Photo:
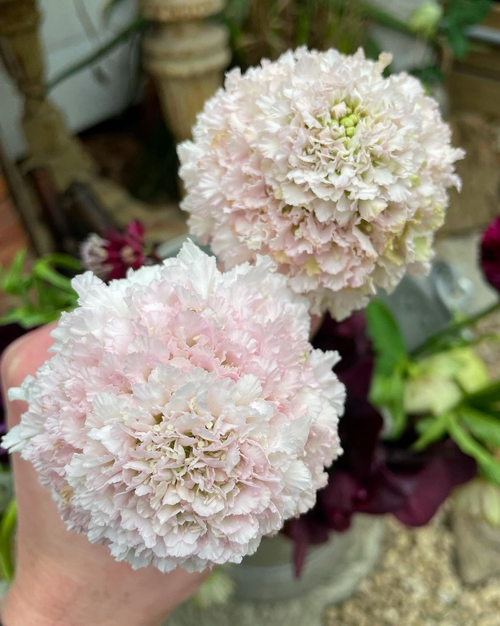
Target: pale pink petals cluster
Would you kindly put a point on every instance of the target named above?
(319, 161)
(184, 414)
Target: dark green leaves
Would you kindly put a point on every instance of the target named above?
(486, 398)
(7, 534)
(391, 360)
(461, 15)
(388, 342)
(489, 465)
(431, 429)
(42, 293)
(483, 426)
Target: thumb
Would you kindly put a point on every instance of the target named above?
(24, 356)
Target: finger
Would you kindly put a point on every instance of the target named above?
(21, 358)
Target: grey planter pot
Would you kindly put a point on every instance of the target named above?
(268, 593)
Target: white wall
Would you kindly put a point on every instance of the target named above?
(85, 98)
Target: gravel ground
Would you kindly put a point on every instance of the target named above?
(415, 584)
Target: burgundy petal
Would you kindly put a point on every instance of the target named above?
(490, 253)
(435, 483)
(387, 492)
(359, 432)
(304, 531)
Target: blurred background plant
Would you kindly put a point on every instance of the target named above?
(430, 419)
(38, 295)
(267, 28)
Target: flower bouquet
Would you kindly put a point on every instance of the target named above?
(185, 414)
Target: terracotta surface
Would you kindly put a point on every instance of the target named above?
(12, 237)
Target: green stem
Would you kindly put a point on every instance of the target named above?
(137, 25)
(303, 26)
(454, 328)
(7, 532)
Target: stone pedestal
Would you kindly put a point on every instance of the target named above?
(186, 55)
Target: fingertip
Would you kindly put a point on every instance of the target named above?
(25, 355)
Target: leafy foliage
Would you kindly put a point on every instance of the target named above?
(471, 419)
(474, 424)
(7, 534)
(43, 292)
(373, 475)
(461, 15)
(391, 360)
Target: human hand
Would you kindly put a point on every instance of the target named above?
(61, 578)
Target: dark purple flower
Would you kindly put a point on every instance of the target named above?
(110, 257)
(446, 467)
(490, 253)
(348, 337)
(373, 476)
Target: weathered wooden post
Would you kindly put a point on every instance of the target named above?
(50, 142)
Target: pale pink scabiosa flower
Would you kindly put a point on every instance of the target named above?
(184, 414)
(317, 160)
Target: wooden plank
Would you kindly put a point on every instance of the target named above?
(485, 62)
(493, 19)
(469, 92)
(478, 201)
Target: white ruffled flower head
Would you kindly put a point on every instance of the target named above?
(319, 161)
(184, 414)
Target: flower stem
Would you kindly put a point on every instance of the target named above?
(453, 329)
(303, 27)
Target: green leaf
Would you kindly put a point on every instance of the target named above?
(391, 359)
(12, 280)
(466, 13)
(435, 429)
(461, 15)
(237, 11)
(7, 533)
(486, 396)
(424, 423)
(387, 392)
(428, 75)
(388, 342)
(372, 49)
(483, 426)
(42, 270)
(459, 43)
(29, 317)
(486, 461)
(44, 292)
(65, 261)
